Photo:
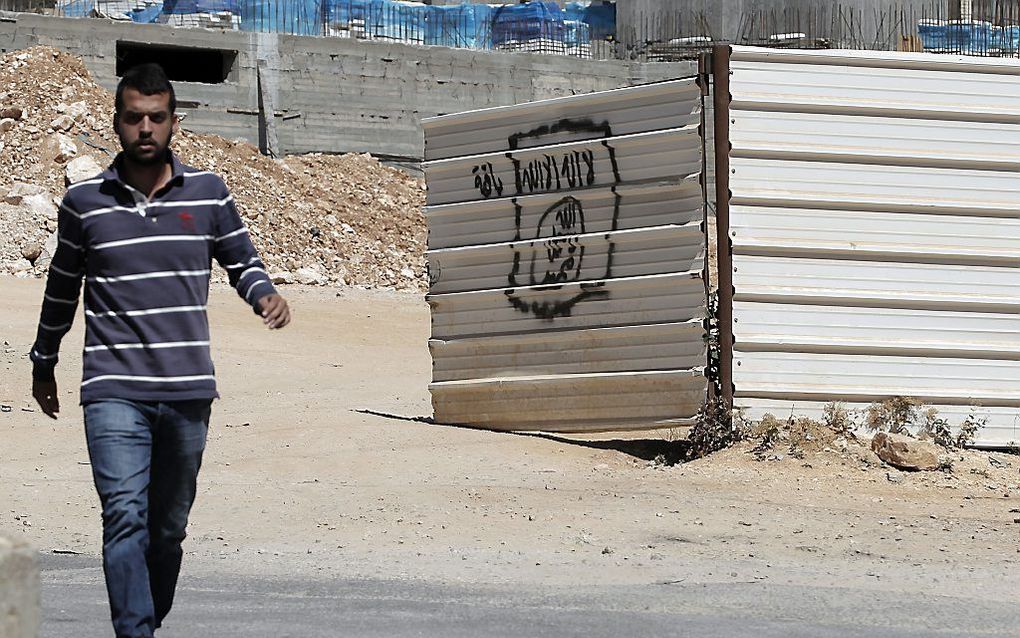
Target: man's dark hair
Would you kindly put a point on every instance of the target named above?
(147, 79)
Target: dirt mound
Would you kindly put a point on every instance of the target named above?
(316, 219)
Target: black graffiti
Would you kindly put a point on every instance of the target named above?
(563, 253)
(556, 282)
(550, 310)
(486, 180)
(584, 125)
(434, 272)
(574, 169)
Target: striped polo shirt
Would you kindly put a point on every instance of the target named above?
(146, 264)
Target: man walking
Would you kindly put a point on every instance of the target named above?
(142, 235)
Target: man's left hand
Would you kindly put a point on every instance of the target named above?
(275, 311)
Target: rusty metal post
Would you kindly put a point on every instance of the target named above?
(721, 104)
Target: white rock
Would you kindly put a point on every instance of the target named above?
(309, 276)
(62, 123)
(20, 190)
(48, 250)
(67, 147)
(407, 272)
(81, 168)
(78, 110)
(40, 205)
(282, 278)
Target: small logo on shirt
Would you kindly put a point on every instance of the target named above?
(187, 221)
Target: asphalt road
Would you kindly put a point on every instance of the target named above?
(229, 606)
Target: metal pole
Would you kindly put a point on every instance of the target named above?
(721, 104)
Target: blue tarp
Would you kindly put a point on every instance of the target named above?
(180, 6)
(975, 38)
(405, 21)
(531, 21)
(397, 20)
(147, 15)
(297, 17)
(1009, 38)
(460, 25)
(600, 18)
(576, 33)
(217, 6)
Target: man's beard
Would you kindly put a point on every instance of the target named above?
(132, 154)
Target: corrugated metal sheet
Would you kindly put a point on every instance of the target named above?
(875, 228)
(566, 261)
(560, 168)
(652, 107)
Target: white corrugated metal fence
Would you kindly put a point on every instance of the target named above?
(875, 227)
(566, 260)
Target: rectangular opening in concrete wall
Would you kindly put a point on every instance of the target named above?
(181, 64)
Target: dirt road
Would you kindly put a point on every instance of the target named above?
(318, 465)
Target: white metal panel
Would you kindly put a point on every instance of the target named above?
(565, 167)
(902, 92)
(573, 403)
(566, 262)
(856, 138)
(879, 60)
(666, 346)
(875, 221)
(615, 302)
(869, 330)
(620, 207)
(808, 375)
(856, 234)
(877, 283)
(648, 107)
(898, 188)
(552, 260)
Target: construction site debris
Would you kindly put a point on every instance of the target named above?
(316, 219)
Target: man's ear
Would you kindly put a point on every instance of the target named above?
(177, 123)
(116, 123)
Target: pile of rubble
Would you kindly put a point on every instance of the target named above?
(316, 219)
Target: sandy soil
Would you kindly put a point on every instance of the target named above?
(319, 465)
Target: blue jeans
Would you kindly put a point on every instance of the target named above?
(145, 460)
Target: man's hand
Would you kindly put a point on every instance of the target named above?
(275, 311)
(45, 394)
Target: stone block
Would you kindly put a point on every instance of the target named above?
(19, 590)
(904, 452)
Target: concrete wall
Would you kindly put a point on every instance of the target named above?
(19, 590)
(335, 94)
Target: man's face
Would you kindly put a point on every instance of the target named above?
(145, 126)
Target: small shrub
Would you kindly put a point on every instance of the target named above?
(839, 419)
(767, 432)
(969, 429)
(899, 415)
(718, 427)
(895, 415)
(937, 428)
